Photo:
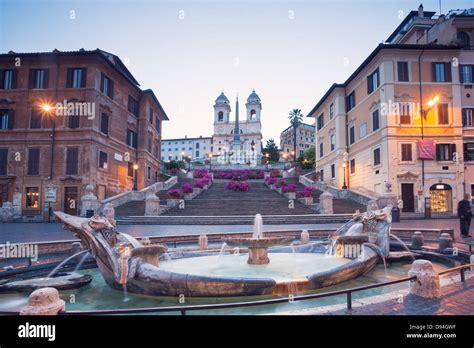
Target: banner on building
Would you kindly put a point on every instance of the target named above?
(426, 149)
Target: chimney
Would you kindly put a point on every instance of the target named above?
(420, 11)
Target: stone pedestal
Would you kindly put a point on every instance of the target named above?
(43, 301)
(6, 212)
(326, 203)
(305, 237)
(152, 205)
(203, 242)
(417, 240)
(445, 241)
(89, 201)
(427, 283)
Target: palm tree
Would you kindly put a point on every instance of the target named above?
(296, 118)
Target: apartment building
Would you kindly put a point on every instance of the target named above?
(404, 117)
(177, 149)
(304, 139)
(69, 119)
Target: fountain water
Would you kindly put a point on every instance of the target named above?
(258, 227)
(53, 272)
(404, 246)
(78, 266)
(221, 252)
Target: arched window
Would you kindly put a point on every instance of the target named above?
(220, 116)
(464, 39)
(253, 114)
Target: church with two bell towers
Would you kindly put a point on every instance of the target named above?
(237, 140)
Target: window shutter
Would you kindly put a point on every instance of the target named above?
(447, 70)
(102, 83)
(111, 89)
(69, 78)
(14, 78)
(369, 84)
(31, 78)
(433, 69)
(46, 78)
(11, 118)
(461, 73)
(452, 150)
(84, 78)
(438, 152)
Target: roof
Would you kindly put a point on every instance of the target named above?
(184, 139)
(301, 124)
(371, 56)
(155, 99)
(406, 20)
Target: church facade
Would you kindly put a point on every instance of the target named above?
(237, 139)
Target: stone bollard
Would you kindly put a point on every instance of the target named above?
(152, 205)
(445, 241)
(203, 242)
(89, 201)
(43, 301)
(305, 237)
(326, 203)
(427, 282)
(417, 240)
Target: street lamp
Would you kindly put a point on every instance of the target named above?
(210, 160)
(344, 186)
(293, 154)
(135, 177)
(189, 158)
(48, 110)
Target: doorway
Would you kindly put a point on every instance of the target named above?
(71, 196)
(408, 198)
(441, 198)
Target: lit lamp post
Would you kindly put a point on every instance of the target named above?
(210, 160)
(49, 110)
(344, 186)
(424, 113)
(189, 158)
(135, 177)
(293, 154)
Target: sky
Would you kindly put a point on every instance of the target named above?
(188, 52)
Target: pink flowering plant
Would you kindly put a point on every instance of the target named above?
(271, 181)
(200, 173)
(289, 188)
(187, 188)
(175, 194)
(306, 193)
(236, 186)
(281, 183)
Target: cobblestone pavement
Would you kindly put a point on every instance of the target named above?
(41, 232)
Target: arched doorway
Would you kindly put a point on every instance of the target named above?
(441, 198)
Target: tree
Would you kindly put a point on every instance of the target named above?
(296, 118)
(307, 158)
(272, 149)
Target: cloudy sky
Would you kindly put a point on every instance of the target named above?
(290, 52)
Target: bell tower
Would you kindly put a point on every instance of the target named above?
(221, 109)
(254, 107)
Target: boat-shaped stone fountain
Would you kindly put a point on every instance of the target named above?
(124, 262)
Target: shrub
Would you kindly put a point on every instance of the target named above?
(238, 186)
(187, 188)
(244, 186)
(175, 194)
(199, 183)
(280, 183)
(200, 173)
(307, 192)
(275, 173)
(271, 181)
(289, 188)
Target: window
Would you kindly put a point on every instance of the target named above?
(465, 73)
(150, 143)
(375, 120)
(157, 124)
(35, 121)
(352, 135)
(350, 101)
(3, 161)
(333, 171)
(148, 173)
(197, 145)
(445, 152)
(72, 160)
(107, 86)
(321, 150)
(104, 123)
(443, 114)
(74, 121)
(76, 78)
(132, 106)
(406, 152)
(197, 154)
(331, 111)
(38, 79)
(320, 121)
(132, 138)
(405, 113)
(150, 115)
(332, 142)
(6, 119)
(8, 79)
(377, 159)
(468, 117)
(373, 81)
(352, 165)
(469, 152)
(321, 175)
(103, 157)
(402, 70)
(363, 130)
(442, 72)
(33, 161)
(220, 116)
(130, 169)
(464, 39)
(32, 198)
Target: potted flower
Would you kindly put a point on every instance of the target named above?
(174, 196)
(306, 196)
(290, 191)
(198, 186)
(244, 186)
(187, 191)
(280, 184)
(270, 181)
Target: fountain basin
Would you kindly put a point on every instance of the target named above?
(67, 282)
